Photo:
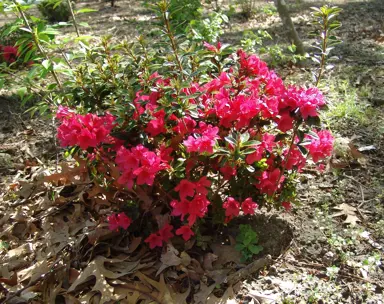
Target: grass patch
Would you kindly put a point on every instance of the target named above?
(347, 104)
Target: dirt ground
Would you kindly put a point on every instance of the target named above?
(317, 256)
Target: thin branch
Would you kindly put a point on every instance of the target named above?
(73, 17)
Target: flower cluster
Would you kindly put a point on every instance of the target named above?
(138, 164)
(232, 207)
(117, 221)
(84, 131)
(239, 135)
(197, 206)
(9, 53)
(320, 147)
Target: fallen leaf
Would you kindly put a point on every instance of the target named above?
(97, 269)
(225, 254)
(367, 148)
(348, 211)
(169, 258)
(164, 293)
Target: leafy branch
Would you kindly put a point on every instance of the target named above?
(326, 25)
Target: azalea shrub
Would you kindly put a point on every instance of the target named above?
(203, 148)
(179, 135)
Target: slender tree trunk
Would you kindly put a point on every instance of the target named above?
(282, 8)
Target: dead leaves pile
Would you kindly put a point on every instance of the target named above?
(55, 247)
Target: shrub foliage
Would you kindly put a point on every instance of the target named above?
(182, 133)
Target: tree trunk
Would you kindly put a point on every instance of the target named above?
(283, 11)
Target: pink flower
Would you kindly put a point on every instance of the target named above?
(320, 147)
(232, 208)
(212, 48)
(251, 65)
(267, 144)
(180, 208)
(287, 206)
(249, 206)
(197, 208)
(307, 100)
(296, 159)
(113, 224)
(185, 232)
(228, 171)
(119, 220)
(157, 126)
(185, 125)
(185, 188)
(269, 181)
(202, 184)
(85, 131)
(10, 53)
(205, 142)
(166, 232)
(154, 240)
(123, 220)
(285, 122)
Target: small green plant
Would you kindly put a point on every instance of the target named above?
(247, 242)
(345, 104)
(276, 54)
(247, 7)
(55, 10)
(268, 9)
(208, 29)
(324, 20)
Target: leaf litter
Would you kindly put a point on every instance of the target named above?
(61, 247)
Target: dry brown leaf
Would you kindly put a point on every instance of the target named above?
(209, 258)
(225, 253)
(169, 258)
(33, 272)
(348, 211)
(185, 259)
(227, 298)
(164, 295)
(97, 269)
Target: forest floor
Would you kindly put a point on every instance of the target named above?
(329, 249)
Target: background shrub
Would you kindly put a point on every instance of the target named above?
(54, 10)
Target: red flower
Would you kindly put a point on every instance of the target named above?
(269, 181)
(185, 126)
(113, 224)
(166, 232)
(123, 220)
(157, 126)
(202, 185)
(232, 208)
(10, 53)
(320, 147)
(185, 188)
(228, 171)
(287, 206)
(180, 208)
(185, 232)
(85, 131)
(212, 48)
(154, 240)
(248, 206)
(205, 142)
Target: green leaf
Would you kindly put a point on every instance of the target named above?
(84, 24)
(239, 247)
(85, 10)
(230, 140)
(46, 64)
(251, 143)
(255, 249)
